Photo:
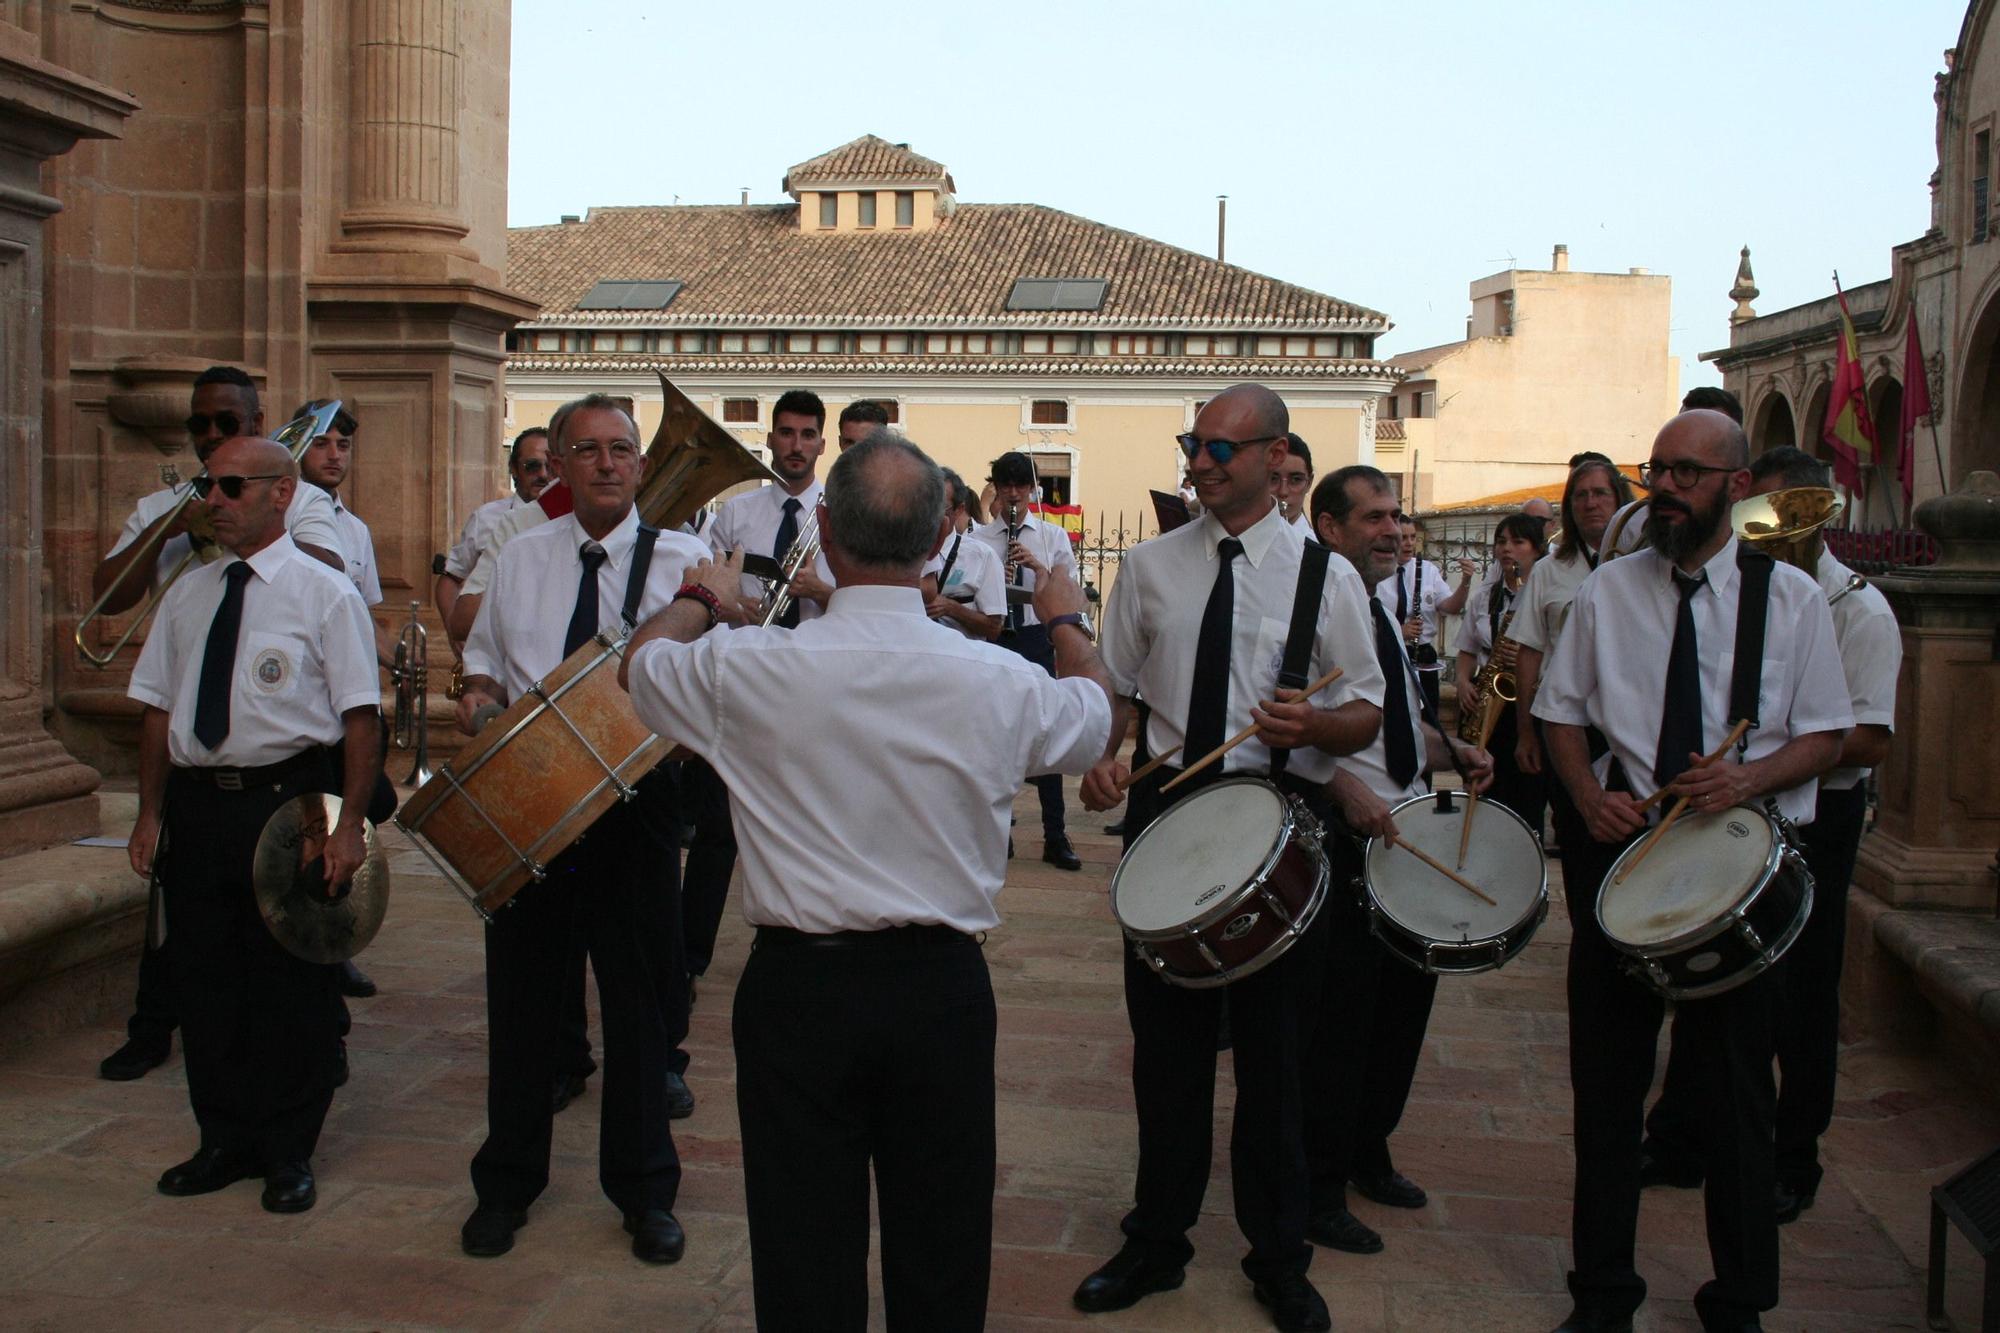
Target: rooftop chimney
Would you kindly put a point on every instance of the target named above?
(1221, 224)
(746, 194)
(1638, 272)
(569, 218)
(1560, 263)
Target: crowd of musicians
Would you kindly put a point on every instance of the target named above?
(860, 754)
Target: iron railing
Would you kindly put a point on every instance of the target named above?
(1879, 550)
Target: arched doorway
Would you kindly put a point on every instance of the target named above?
(1884, 506)
(1810, 438)
(1771, 424)
(1975, 412)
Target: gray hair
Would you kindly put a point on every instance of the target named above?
(886, 500)
(591, 402)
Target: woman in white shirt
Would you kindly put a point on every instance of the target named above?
(1518, 542)
(964, 584)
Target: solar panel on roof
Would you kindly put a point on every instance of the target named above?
(610, 295)
(1057, 294)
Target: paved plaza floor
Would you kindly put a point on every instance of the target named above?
(86, 1242)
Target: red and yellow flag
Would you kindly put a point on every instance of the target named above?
(1848, 430)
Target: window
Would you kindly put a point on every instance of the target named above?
(1390, 408)
(1050, 344)
(1049, 412)
(625, 295)
(948, 343)
(1982, 156)
(829, 210)
(740, 411)
(882, 342)
(893, 408)
(866, 211)
(548, 340)
(1326, 347)
(690, 342)
(906, 208)
(1053, 470)
(1203, 344)
(1057, 294)
(1138, 344)
(603, 342)
(746, 342)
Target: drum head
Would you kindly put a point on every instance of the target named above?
(1702, 867)
(1503, 859)
(1197, 854)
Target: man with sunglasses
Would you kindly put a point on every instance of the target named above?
(224, 404)
(258, 686)
(530, 469)
(1646, 658)
(1198, 624)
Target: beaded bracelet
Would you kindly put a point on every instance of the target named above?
(695, 592)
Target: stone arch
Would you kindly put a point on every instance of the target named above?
(1771, 423)
(1975, 409)
(1883, 505)
(1810, 438)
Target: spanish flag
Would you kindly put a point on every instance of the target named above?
(1848, 430)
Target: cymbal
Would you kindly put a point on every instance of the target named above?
(288, 875)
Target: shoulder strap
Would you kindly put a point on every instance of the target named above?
(944, 574)
(635, 582)
(1753, 603)
(1305, 629)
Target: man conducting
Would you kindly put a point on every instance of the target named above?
(865, 1022)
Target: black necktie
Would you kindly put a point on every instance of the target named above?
(1208, 700)
(218, 660)
(788, 532)
(1680, 715)
(583, 620)
(1402, 596)
(1399, 742)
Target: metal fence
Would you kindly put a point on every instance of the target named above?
(1879, 550)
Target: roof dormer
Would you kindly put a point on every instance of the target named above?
(868, 185)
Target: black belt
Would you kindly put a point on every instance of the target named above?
(890, 937)
(309, 762)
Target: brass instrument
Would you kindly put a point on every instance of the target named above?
(690, 461)
(1855, 583)
(805, 550)
(296, 436)
(1496, 686)
(1785, 524)
(412, 676)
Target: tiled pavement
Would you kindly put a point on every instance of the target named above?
(86, 1242)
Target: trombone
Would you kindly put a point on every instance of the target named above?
(412, 676)
(296, 436)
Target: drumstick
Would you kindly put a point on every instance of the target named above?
(1486, 725)
(1246, 733)
(1442, 869)
(1149, 766)
(1734, 736)
(1674, 811)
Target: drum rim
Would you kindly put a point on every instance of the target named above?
(1224, 906)
(1767, 958)
(1709, 930)
(1539, 907)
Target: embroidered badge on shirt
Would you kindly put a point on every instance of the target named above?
(271, 669)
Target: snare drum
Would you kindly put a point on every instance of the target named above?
(534, 779)
(1221, 884)
(1719, 900)
(1433, 924)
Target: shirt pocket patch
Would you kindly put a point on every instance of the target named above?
(271, 663)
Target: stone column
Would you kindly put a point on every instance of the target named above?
(45, 794)
(1939, 820)
(403, 150)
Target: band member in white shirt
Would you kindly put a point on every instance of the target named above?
(865, 1022)
(1027, 548)
(1197, 625)
(1292, 483)
(964, 585)
(859, 420)
(768, 520)
(553, 588)
(1490, 616)
(1419, 587)
(1871, 657)
(529, 470)
(1644, 659)
(223, 405)
(258, 686)
(1375, 1007)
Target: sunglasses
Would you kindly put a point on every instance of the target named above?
(1220, 450)
(226, 422)
(231, 486)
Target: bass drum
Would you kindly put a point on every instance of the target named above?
(1433, 924)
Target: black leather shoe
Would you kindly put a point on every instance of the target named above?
(1116, 830)
(135, 1059)
(1792, 1202)
(656, 1236)
(288, 1188)
(354, 983)
(680, 1102)
(1010, 846)
(1338, 1229)
(1127, 1279)
(1058, 853)
(1393, 1190)
(489, 1232)
(1664, 1169)
(1294, 1304)
(207, 1171)
(568, 1088)
(1594, 1321)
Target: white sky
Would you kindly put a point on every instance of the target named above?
(1383, 158)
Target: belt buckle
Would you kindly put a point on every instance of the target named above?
(229, 779)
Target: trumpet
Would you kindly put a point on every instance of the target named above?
(202, 545)
(805, 550)
(412, 676)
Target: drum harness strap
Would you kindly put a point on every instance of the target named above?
(1297, 663)
(635, 582)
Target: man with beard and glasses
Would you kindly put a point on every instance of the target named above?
(1645, 659)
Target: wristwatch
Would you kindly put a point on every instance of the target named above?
(1081, 620)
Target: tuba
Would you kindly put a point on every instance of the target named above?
(1786, 524)
(690, 461)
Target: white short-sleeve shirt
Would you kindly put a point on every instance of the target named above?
(1545, 601)
(1050, 544)
(1871, 656)
(976, 576)
(464, 553)
(357, 547)
(749, 523)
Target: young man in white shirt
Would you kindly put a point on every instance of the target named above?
(1419, 587)
(1292, 483)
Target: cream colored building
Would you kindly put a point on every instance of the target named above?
(982, 327)
(1554, 362)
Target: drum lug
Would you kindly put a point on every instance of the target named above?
(1208, 955)
(1750, 936)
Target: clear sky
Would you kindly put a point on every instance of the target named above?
(1386, 154)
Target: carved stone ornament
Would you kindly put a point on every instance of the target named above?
(150, 396)
(1966, 523)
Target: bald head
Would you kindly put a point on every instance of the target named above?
(885, 504)
(264, 477)
(1719, 440)
(1256, 404)
(1539, 508)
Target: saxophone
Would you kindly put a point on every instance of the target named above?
(1495, 684)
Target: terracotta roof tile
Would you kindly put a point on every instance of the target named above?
(750, 265)
(867, 159)
(1423, 357)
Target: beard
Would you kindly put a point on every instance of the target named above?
(1677, 541)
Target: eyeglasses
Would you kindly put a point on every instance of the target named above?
(588, 452)
(228, 423)
(1684, 473)
(1220, 450)
(231, 486)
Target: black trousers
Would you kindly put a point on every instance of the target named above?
(1808, 1024)
(259, 1026)
(1614, 1025)
(1032, 642)
(621, 883)
(1526, 794)
(1373, 1011)
(1428, 681)
(711, 860)
(857, 1049)
(154, 1014)
(1271, 1016)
